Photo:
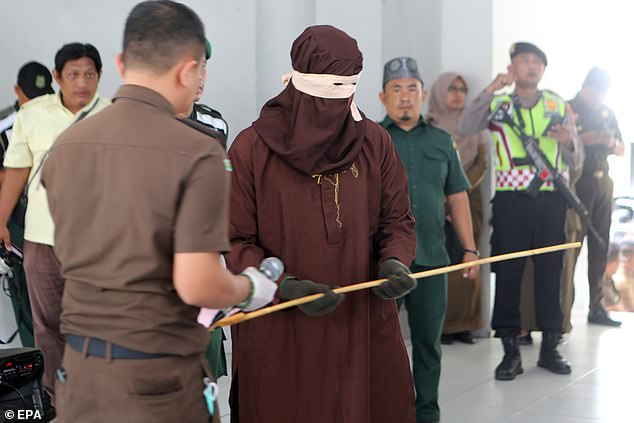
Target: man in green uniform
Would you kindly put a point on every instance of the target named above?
(437, 184)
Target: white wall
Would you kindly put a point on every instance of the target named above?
(252, 39)
(251, 45)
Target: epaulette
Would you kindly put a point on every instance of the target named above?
(203, 108)
(207, 130)
(551, 92)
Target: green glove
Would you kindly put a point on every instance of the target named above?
(291, 288)
(398, 284)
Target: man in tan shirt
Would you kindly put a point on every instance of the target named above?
(140, 204)
(77, 72)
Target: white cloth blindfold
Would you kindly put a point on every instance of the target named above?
(325, 86)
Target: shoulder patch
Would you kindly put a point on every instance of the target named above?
(228, 166)
(550, 104)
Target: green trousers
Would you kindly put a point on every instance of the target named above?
(20, 294)
(216, 354)
(426, 307)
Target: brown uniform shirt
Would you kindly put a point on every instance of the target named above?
(127, 189)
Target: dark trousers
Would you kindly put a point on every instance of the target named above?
(596, 195)
(20, 293)
(521, 222)
(168, 389)
(46, 286)
(426, 307)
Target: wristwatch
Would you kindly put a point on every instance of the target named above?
(476, 252)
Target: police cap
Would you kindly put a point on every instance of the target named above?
(523, 47)
(35, 80)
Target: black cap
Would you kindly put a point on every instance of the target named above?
(598, 78)
(34, 79)
(522, 47)
(400, 67)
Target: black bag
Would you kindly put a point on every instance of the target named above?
(19, 211)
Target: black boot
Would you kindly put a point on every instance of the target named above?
(511, 364)
(549, 357)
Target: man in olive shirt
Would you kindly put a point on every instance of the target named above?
(600, 134)
(139, 200)
(435, 178)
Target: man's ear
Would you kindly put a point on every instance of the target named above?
(382, 97)
(120, 65)
(56, 76)
(423, 96)
(187, 72)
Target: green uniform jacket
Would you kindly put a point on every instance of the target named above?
(434, 172)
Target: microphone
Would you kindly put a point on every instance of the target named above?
(272, 268)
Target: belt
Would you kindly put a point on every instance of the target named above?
(597, 174)
(99, 348)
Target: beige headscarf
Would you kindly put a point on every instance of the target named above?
(440, 116)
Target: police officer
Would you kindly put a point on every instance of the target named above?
(520, 221)
(139, 236)
(599, 132)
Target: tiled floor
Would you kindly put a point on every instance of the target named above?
(598, 390)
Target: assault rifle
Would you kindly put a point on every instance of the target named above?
(544, 170)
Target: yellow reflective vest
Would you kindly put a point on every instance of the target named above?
(511, 172)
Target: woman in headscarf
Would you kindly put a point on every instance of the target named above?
(464, 303)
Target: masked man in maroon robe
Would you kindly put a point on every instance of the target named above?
(319, 185)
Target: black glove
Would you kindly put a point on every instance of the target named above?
(293, 288)
(398, 282)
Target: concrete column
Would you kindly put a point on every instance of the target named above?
(466, 47)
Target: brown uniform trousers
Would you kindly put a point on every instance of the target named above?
(167, 389)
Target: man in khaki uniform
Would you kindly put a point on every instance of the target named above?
(139, 199)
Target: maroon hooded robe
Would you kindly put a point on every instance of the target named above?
(327, 195)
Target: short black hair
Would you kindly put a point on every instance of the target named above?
(74, 51)
(159, 33)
